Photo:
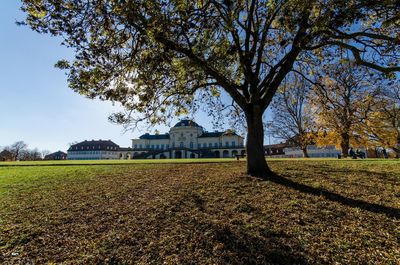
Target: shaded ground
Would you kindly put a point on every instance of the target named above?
(344, 212)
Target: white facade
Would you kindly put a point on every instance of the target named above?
(93, 150)
(92, 155)
(314, 151)
(188, 140)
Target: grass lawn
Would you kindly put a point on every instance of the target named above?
(114, 162)
(113, 212)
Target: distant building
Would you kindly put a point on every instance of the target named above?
(276, 150)
(6, 155)
(187, 139)
(313, 151)
(93, 150)
(59, 155)
(316, 151)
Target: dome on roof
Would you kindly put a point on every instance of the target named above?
(187, 123)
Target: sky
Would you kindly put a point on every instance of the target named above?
(36, 104)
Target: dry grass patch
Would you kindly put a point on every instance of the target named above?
(203, 214)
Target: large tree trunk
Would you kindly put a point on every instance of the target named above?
(256, 164)
(305, 152)
(345, 144)
(397, 151)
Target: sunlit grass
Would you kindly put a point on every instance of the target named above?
(204, 213)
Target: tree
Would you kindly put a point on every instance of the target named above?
(292, 119)
(30, 155)
(44, 153)
(17, 149)
(157, 57)
(342, 101)
(5, 154)
(383, 125)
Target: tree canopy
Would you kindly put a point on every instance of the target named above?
(157, 57)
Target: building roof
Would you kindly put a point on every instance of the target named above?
(218, 134)
(154, 136)
(211, 134)
(58, 153)
(187, 123)
(94, 145)
(277, 146)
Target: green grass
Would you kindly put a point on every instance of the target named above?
(115, 162)
(181, 161)
(144, 212)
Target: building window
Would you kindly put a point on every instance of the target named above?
(140, 146)
(210, 145)
(162, 147)
(215, 144)
(148, 146)
(191, 145)
(158, 146)
(226, 144)
(233, 143)
(204, 145)
(181, 145)
(167, 146)
(135, 146)
(152, 146)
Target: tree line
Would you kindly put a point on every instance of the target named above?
(19, 151)
(338, 103)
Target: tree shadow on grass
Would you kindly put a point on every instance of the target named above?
(355, 203)
(240, 247)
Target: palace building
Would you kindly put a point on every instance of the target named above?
(187, 139)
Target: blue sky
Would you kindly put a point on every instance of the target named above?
(36, 104)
